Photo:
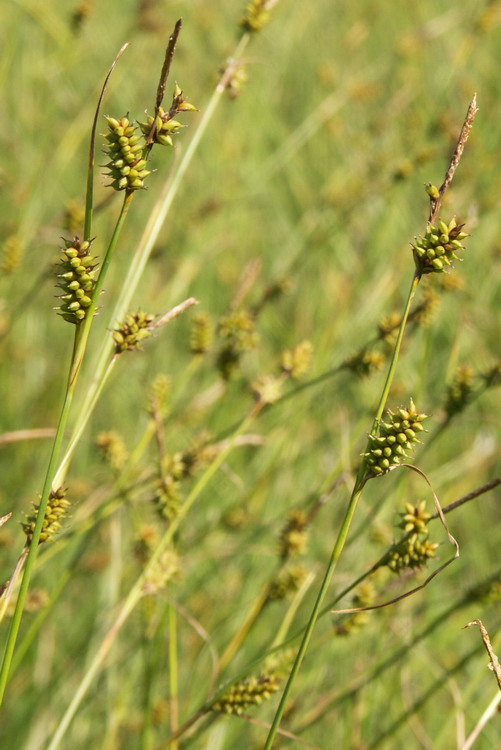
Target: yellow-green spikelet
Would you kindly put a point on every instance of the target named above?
(395, 437)
(57, 509)
(77, 280)
(434, 252)
(125, 149)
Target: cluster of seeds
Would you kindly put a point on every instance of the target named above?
(364, 596)
(287, 582)
(437, 249)
(77, 280)
(202, 333)
(127, 167)
(395, 437)
(412, 552)
(57, 508)
(248, 692)
(132, 331)
(365, 363)
(163, 127)
(294, 535)
(257, 14)
(415, 549)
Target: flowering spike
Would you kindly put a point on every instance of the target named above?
(132, 331)
(434, 252)
(125, 149)
(57, 509)
(395, 437)
(77, 280)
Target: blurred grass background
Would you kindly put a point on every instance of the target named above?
(316, 172)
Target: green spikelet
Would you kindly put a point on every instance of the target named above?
(252, 691)
(365, 363)
(395, 437)
(76, 279)
(112, 446)
(287, 582)
(238, 330)
(414, 549)
(236, 81)
(127, 167)
(267, 389)
(136, 328)
(202, 333)
(57, 509)
(435, 252)
(11, 254)
(294, 535)
(159, 396)
(257, 14)
(163, 571)
(165, 125)
(460, 391)
(296, 362)
(364, 596)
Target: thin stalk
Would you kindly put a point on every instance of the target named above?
(77, 432)
(345, 527)
(136, 592)
(173, 673)
(150, 236)
(79, 348)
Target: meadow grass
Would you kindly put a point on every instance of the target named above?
(291, 222)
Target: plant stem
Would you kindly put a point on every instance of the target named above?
(345, 527)
(79, 347)
(173, 673)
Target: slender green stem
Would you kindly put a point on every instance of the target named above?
(173, 673)
(79, 347)
(344, 530)
(77, 432)
(32, 555)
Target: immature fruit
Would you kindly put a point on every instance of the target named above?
(395, 437)
(77, 280)
(435, 252)
(125, 149)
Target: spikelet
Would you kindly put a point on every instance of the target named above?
(161, 129)
(364, 596)
(287, 582)
(296, 362)
(460, 390)
(202, 333)
(414, 549)
(435, 252)
(251, 691)
(395, 437)
(127, 167)
(365, 363)
(257, 14)
(136, 328)
(77, 280)
(57, 509)
(112, 446)
(294, 535)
